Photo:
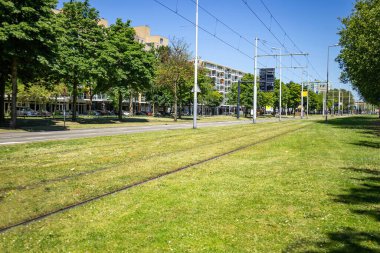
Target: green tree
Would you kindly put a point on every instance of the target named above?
(360, 54)
(284, 94)
(130, 68)
(246, 93)
(265, 98)
(208, 96)
(174, 69)
(40, 95)
(27, 41)
(80, 43)
(294, 95)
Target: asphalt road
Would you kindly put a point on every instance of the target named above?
(28, 137)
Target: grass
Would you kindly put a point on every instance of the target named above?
(316, 190)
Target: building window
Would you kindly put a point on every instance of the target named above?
(161, 41)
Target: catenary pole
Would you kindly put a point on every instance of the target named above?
(195, 109)
(307, 99)
(255, 85)
(280, 102)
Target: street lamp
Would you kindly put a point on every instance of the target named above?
(280, 99)
(195, 109)
(327, 88)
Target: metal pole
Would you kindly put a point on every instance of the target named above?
(302, 100)
(280, 102)
(333, 105)
(339, 101)
(238, 101)
(195, 110)
(327, 88)
(349, 102)
(307, 101)
(255, 85)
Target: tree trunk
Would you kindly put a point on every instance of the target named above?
(131, 103)
(175, 102)
(75, 99)
(2, 99)
(14, 94)
(180, 109)
(120, 114)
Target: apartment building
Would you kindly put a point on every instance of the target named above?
(143, 35)
(224, 77)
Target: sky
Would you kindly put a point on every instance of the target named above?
(310, 27)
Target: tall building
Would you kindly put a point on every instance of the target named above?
(151, 41)
(267, 78)
(224, 77)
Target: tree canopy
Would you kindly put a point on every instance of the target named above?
(27, 42)
(360, 55)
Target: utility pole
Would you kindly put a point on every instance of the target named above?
(238, 101)
(280, 98)
(307, 99)
(281, 67)
(327, 88)
(349, 103)
(302, 111)
(339, 101)
(195, 109)
(333, 104)
(255, 85)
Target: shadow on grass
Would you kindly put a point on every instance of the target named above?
(369, 126)
(362, 199)
(347, 240)
(56, 124)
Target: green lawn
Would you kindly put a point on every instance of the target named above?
(313, 190)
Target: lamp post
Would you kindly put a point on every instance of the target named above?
(195, 109)
(280, 98)
(327, 88)
(255, 86)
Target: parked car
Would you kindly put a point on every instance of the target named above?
(125, 113)
(26, 111)
(141, 113)
(45, 113)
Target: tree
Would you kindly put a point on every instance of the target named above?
(360, 54)
(284, 94)
(27, 42)
(294, 95)
(208, 96)
(246, 92)
(129, 67)
(265, 98)
(79, 46)
(174, 69)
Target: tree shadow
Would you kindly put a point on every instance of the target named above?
(365, 195)
(347, 240)
(56, 124)
(368, 144)
(363, 199)
(368, 126)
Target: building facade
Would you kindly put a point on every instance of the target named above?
(224, 77)
(143, 35)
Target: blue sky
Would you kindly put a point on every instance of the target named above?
(311, 24)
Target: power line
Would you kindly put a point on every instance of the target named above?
(287, 35)
(175, 11)
(203, 29)
(278, 23)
